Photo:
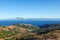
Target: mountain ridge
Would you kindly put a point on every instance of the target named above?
(34, 19)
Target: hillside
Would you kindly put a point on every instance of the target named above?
(16, 31)
(30, 32)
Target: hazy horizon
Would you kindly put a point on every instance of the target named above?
(27, 18)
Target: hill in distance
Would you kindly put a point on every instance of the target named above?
(34, 19)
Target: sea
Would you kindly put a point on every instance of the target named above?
(35, 23)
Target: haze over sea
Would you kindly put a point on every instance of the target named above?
(33, 22)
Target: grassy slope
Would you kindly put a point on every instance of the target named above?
(22, 31)
(13, 32)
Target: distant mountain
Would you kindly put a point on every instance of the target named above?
(46, 19)
(18, 18)
(35, 19)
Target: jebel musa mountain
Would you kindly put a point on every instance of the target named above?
(34, 19)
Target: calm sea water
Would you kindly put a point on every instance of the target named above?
(35, 23)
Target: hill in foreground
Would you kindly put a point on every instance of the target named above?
(16, 31)
(29, 32)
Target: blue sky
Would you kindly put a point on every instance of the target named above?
(29, 9)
